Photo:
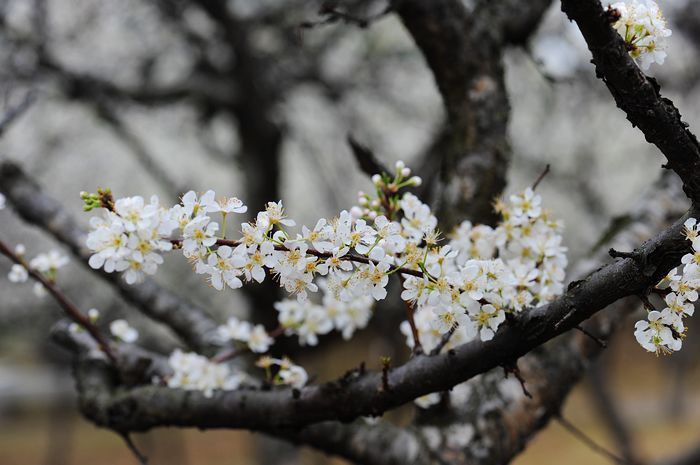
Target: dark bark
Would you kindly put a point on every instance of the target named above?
(360, 394)
(465, 168)
(638, 95)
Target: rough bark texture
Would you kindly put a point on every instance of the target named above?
(464, 51)
(636, 94)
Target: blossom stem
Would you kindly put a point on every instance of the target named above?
(417, 347)
(353, 257)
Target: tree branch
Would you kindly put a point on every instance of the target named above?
(465, 167)
(190, 322)
(637, 94)
(346, 399)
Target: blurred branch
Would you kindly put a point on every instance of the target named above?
(689, 457)
(83, 86)
(68, 307)
(190, 322)
(608, 411)
(365, 158)
(465, 167)
(147, 161)
(590, 443)
(14, 112)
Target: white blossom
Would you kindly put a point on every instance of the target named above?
(122, 331)
(654, 334)
(18, 274)
(295, 376)
(197, 234)
(49, 262)
(195, 372)
(259, 341)
(231, 205)
(428, 400)
(643, 27)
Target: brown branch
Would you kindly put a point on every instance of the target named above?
(350, 256)
(190, 322)
(419, 376)
(68, 307)
(594, 446)
(540, 177)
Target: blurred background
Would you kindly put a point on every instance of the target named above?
(150, 97)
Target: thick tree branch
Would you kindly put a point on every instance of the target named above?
(346, 399)
(637, 94)
(465, 168)
(503, 423)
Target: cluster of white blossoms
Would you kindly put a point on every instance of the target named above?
(663, 331)
(254, 336)
(121, 329)
(195, 372)
(643, 27)
(483, 273)
(308, 320)
(130, 236)
(466, 286)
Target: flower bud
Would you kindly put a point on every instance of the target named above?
(377, 180)
(356, 212)
(20, 249)
(416, 181)
(400, 165)
(372, 215)
(93, 314)
(406, 172)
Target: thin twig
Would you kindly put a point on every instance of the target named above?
(595, 338)
(350, 256)
(70, 309)
(443, 341)
(647, 303)
(143, 460)
(594, 446)
(515, 371)
(15, 112)
(661, 292)
(540, 177)
(332, 15)
(417, 347)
